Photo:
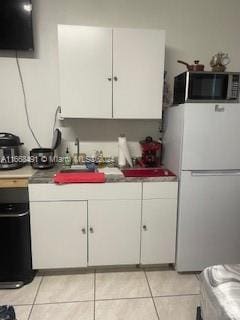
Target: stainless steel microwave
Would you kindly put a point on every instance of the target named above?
(204, 86)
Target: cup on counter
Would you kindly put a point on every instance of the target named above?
(79, 159)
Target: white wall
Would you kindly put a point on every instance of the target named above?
(195, 30)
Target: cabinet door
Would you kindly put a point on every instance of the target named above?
(138, 64)
(114, 232)
(59, 234)
(85, 61)
(158, 231)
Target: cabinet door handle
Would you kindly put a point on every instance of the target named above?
(109, 79)
(83, 230)
(91, 229)
(144, 227)
(115, 78)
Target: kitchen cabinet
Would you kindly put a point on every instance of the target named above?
(85, 65)
(111, 73)
(108, 233)
(159, 218)
(79, 225)
(59, 234)
(138, 71)
(114, 232)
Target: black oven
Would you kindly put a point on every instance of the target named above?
(204, 86)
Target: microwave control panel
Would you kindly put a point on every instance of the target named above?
(235, 87)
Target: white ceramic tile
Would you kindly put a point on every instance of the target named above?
(116, 285)
(130, 309)
(24, 295)
(63, 311)
(164, 283)
(66, 288)
(177, 308)
(22, 312)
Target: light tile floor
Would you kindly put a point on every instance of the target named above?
(138, 294)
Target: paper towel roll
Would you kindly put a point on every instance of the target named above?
(123, 152)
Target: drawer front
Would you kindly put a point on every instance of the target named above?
(14, 183)
(85, 191)
(160, 190)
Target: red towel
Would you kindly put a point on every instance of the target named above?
(76, 177)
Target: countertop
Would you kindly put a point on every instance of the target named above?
(46, 176)
(24, 172)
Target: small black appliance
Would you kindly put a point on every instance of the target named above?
(43, 158)
(10, 151)
(206, 86)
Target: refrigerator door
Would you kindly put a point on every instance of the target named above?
(208, 220)
(211, 136)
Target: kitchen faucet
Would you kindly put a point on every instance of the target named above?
(77, 144)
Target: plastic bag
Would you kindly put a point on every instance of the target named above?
(7, 313)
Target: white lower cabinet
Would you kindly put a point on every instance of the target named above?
(59, 234)
(114, 232)
(65, 235)
(158, 231)
(76, 226)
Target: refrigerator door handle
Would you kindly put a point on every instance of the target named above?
(212, 173)
(219, 108)
(13, 215)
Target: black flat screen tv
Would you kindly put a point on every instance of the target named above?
(16, 31)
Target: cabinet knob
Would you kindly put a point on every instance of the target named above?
(109, 79)
(91, 229)
(83, 230)
(144, 227)
(115, 78)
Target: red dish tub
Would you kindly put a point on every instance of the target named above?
(76, 177)
(147, 172)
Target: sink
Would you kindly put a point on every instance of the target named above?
(78, 169)
(147, 172)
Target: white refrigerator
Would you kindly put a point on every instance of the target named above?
(202, 146)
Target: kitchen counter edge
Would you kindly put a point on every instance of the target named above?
(46, 176)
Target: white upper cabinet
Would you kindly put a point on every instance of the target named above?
(85, 66)
(138, 70)
(111, 73)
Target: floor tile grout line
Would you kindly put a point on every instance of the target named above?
(34, 300)
(155, 307)
(197, 276)
(178, 295)
(109, 299)
(114, 299)
(21, 304)
(62, 302)
(94, 297)
(129, 298)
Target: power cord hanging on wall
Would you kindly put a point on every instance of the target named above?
(25, 101)
(58, 110)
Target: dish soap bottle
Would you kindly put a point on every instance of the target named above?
(67, 159)
(101, 162)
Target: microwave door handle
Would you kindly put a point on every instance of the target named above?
(187, 87)
(229, 89)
